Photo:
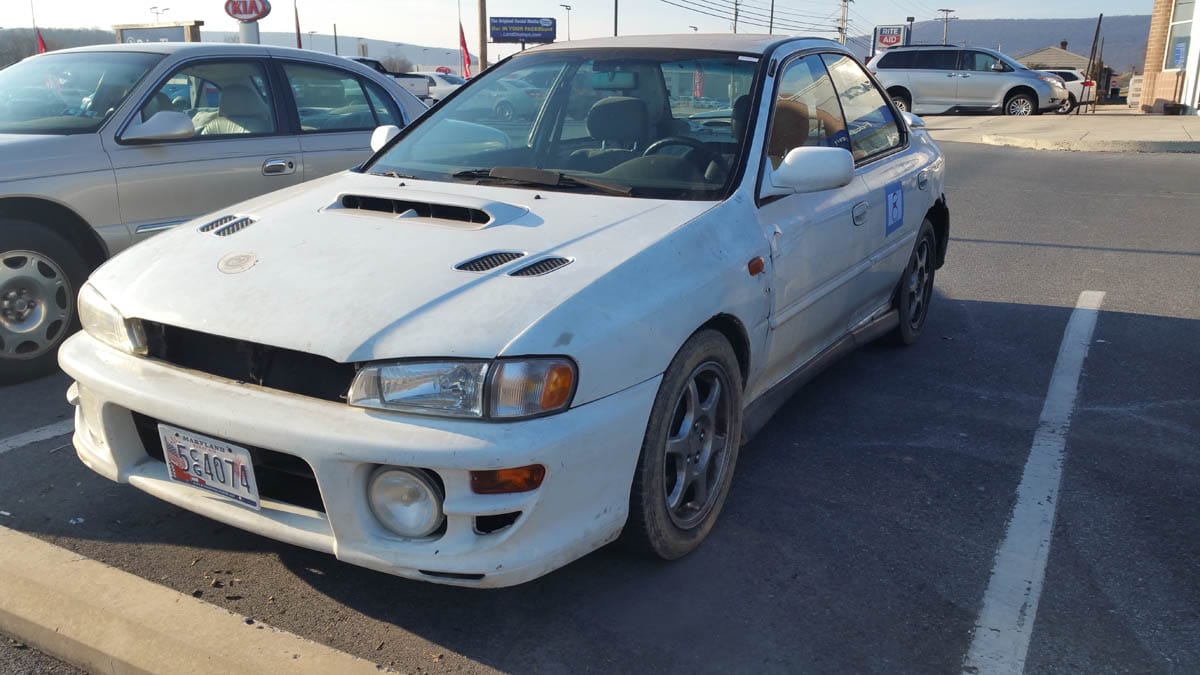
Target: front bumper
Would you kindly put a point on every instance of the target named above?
(589, 452)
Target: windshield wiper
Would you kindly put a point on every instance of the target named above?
(543, 177)
(392, 174)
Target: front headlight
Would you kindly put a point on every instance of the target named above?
(504, 389)
(102, 321)
(1052, 80)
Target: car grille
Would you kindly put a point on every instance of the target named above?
(272, 367)
(280, 477)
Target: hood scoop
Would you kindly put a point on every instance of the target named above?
(541, 267)
(488, 261)
(227, 225)
(408, 208)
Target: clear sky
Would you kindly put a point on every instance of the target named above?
(433, 22)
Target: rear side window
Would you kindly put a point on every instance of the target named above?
(907, 59)
(937, 59)
(873, 129)
(328, 99)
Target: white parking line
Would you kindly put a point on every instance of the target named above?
(1005, 623)
(59, 428)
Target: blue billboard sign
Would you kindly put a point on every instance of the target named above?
(522, 29)
(156, 34)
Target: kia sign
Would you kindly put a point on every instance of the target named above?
(522, 29)
(887, 37)
(247, 11)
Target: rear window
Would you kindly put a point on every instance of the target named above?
(1066, 75)
(937, 59)
(906, 59)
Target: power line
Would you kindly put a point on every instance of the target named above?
(755, 17)
(709, 8)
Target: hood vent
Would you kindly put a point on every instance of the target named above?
(416, 209)
(540, 267)
(488, 261)
(227, 225)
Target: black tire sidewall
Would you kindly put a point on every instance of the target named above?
(650, 529)
(23, 235)
(905, 334)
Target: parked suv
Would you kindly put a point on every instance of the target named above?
(928, 80)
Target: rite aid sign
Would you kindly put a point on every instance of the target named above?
(887, 37)
(247, 11)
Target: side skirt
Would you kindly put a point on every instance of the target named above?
(762, 409)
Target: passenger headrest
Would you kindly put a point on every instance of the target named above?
(239, 100)
(618, 119)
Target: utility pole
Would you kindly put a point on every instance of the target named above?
(615, 5)
(771, 20)
(335, 47)
(842, 22)
(735, 16)
(946, 24)
(483, 62)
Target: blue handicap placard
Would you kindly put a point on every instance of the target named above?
(893, 207)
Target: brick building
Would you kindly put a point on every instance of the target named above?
(1172, 57)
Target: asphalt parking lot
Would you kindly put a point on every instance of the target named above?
(863, 524)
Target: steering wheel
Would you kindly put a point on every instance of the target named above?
(700, 155)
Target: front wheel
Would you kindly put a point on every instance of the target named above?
(1067, 106)
(902, 102)
(916, 287)
(689, 451)
(1020, 104)
(40, 276)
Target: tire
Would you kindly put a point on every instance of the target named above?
(40, 277)
(915, 290)
(1068, 107)
(665, 517)
(904, 103)
(1020, 104)
(505, 111)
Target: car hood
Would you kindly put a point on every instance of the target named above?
(33, 156)
(354, 284)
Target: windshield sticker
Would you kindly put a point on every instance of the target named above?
(895, 207)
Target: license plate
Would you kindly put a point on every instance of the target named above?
(209, 464)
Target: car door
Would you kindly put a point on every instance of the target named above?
(934, 80)
(337, 110)
(812, 234)
(889, 170)
(239, 148)
(978, 84)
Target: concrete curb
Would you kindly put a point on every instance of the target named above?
(108, 621)
(1085, 145)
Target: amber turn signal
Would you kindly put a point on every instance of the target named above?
(505, 481)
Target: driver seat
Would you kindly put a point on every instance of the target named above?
(620, 121)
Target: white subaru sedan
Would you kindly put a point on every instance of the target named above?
(502, 343)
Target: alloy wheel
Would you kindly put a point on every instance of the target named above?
(1020, 105)
(698, 446)
(35, 304)
(920, 284)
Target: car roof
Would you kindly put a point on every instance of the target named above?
(742, 43)
(191, 48)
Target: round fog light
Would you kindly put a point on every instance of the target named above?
(405, 501)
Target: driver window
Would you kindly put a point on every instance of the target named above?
(222, 98)
(805, 110)
(979, 62)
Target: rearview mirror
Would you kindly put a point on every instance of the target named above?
(810, 169)
(383, 135)
(165, 125)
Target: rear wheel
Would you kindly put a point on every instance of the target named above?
(916, 287)
(1020, 104)
(902, 101)
(40, 276)
(689, 451)
(1067, 106)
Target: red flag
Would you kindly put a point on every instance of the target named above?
(466, 55)
(41, 44)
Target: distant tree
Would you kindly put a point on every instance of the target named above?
(396, 64)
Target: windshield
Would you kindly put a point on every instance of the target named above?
(645, 123)
(68, 93)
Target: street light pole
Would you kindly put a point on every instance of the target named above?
(157, 12)
(568, 8)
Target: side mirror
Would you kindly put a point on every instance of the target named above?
(998, 66)
(165, 125)
(383, 135)
(810, 169)
(913, 121)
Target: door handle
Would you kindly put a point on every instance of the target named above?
(278, 167)
(859, 213)
(965, 75)
(951, 74)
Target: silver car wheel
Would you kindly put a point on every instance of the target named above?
(35, 304)
(697, 456)
(1019, 105)
(920, 285)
